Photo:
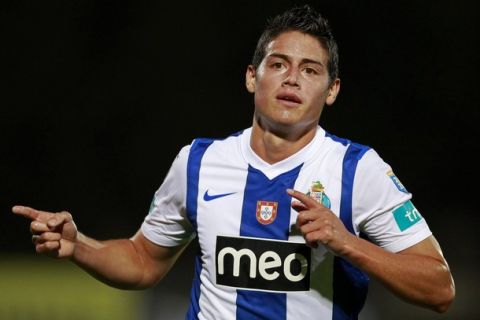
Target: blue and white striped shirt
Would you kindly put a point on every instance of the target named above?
(253, 262)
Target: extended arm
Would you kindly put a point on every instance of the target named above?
(134, 263)
(418, 274)
(124, 263)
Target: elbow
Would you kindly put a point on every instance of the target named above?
(445, 300)
(445, 294)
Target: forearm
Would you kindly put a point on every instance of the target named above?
(134, 263)
(420, 279)
(114, 262)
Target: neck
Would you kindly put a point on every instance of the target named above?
(273, 148)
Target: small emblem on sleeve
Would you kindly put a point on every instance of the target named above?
(317, 192)
(397, 182)
(406, 215)
(266, 211)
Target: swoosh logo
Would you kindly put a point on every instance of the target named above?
(208, 197)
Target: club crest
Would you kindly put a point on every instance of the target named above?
(317, 192)
(266, 211)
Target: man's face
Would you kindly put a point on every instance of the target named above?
(291, 84)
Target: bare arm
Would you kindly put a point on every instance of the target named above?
(134, 263)
(418, 274)
(124, 263)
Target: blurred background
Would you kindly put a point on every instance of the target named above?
(97, 98)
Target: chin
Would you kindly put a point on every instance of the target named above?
(285, 114)
(287, 121)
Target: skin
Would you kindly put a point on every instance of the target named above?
(291, 87)
(143, 262)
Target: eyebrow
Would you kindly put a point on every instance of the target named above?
(287, 58)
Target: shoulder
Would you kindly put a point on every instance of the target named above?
(364, 160)
(352, 150)
(205, 141)
(199, 145)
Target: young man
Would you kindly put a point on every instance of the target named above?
(278, 208)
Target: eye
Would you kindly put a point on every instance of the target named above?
(310, 71)
(277, 65)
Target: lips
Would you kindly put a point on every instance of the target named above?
(289, 97)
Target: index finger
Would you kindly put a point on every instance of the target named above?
(304, 199)
(30, 213)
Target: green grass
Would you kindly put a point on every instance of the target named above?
(37, 288)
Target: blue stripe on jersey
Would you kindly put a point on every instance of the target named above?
(354, 153)
(350, 284)
(253, 305)
(343, 141)
(194, 308)
(197, 150)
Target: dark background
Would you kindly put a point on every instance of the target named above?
(99, 96)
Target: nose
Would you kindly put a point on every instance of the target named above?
(291, 78)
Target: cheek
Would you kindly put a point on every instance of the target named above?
(319, 96)
(261, 93)
(262, 103)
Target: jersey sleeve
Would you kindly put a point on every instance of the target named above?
(382, 207)
(166, 223)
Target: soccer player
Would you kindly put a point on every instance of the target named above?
(291, 220)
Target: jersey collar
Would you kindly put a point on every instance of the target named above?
(273, 170)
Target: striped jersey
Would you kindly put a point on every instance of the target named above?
(253, 262)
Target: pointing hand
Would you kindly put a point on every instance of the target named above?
(319, 225)
(53, 234)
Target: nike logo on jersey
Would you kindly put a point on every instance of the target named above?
(208, 197)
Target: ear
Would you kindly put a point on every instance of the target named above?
(250, 79)
(333, 92)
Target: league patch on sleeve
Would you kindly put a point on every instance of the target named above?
(397, 182)
(406, 215)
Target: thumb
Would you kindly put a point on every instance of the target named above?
(59, 219)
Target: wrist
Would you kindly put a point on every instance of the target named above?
(349, 249)
(76, 244)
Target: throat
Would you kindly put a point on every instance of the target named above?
(272, 148)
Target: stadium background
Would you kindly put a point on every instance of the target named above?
(98, 97)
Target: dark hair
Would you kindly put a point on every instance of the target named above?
(304, 19)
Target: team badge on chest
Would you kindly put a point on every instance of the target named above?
(266, 211)
(317, 192)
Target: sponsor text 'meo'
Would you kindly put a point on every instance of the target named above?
(262, 264)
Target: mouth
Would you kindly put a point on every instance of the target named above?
(289, 99)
